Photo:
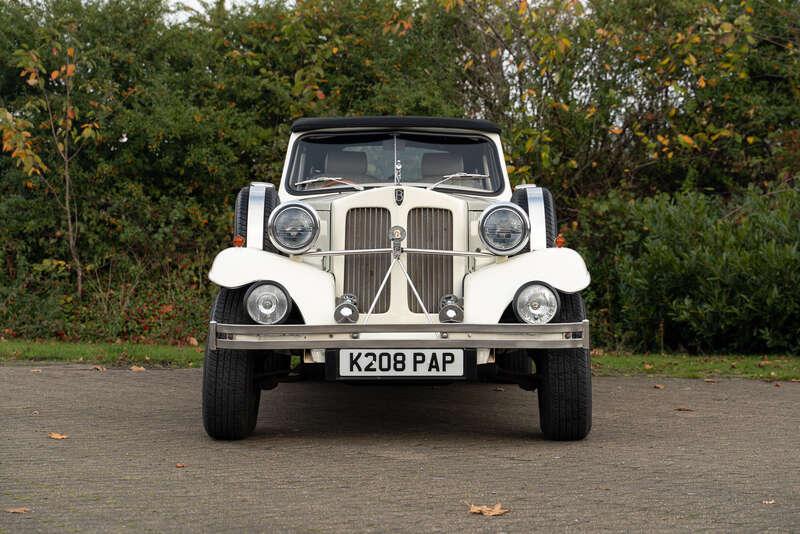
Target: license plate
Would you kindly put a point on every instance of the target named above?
(401, 363)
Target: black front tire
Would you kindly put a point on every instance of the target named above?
(565, 382)
(231, 392)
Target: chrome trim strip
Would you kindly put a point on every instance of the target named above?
(212, 335)
(348, 252)
(446, 252)
(451, 335)
(537, 218)
(387, 250)
(255, 215)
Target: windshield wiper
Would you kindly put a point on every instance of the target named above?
(457, 176)
(343, 181)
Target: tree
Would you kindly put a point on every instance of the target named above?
(54, 79)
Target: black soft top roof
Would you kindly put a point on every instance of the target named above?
(322, 123)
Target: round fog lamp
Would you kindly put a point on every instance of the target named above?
(536, 304)
(267, 304)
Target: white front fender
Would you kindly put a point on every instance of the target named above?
(311, 289)
(489, 291)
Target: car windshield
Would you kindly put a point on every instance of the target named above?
(348, 161)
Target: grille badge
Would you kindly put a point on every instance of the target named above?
(396, 235)
(399, 195)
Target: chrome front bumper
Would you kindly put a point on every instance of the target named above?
(399, 336)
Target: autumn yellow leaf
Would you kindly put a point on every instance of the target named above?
(54, 75)
(647, 366)
(615, 130)
(71, 52)
(180, 465)
(489, 511)
(70, 69)
(701, 83)
(663, 140)
(18, 510)
(137, 368)
(191, 341)
(468, 64)
(658, 386)
(56, 435)
(686, 140)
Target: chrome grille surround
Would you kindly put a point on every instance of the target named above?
(430, 228)
(367, 228)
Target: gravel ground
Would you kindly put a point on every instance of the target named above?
(329, 457)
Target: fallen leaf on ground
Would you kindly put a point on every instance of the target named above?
(658, 386)
(137, 368)
(795, 380)
(489, 511)
(777, 384)
(19, 510)
(647, 366)
(180, 466)
(35, 412)
(191, 341)
(99, 368)
(499, 388)
(764, 363)
(682, 409)
(770, 501)
(709, 381)
(36, 370)
(56, 435)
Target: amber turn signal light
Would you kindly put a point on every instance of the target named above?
(238, 241)
(560, 241)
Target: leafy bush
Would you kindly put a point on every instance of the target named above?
(695, 272)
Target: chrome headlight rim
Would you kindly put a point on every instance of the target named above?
(525, 221)
(296, 204)
(256, 285)
(522, 288)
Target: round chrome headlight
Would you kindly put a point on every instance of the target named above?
(267, 303)
(536, 304)
(504, 228)
(293, 227)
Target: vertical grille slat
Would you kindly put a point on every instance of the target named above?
(367, 228)
(430, 228)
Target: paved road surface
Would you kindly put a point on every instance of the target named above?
(329, 457)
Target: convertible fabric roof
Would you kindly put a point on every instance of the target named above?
(323, 123)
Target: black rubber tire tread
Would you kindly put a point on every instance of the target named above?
(231, 395)
(520, 198)
(240, 214)
(565, 382)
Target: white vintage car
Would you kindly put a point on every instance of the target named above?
(395, 250)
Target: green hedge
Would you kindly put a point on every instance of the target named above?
(693, 271)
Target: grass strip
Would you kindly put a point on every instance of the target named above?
(603, 364)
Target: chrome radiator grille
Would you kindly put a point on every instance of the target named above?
(430, 228)
(367, 228)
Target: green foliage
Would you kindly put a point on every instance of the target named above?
(607, 102)
(693, 272)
